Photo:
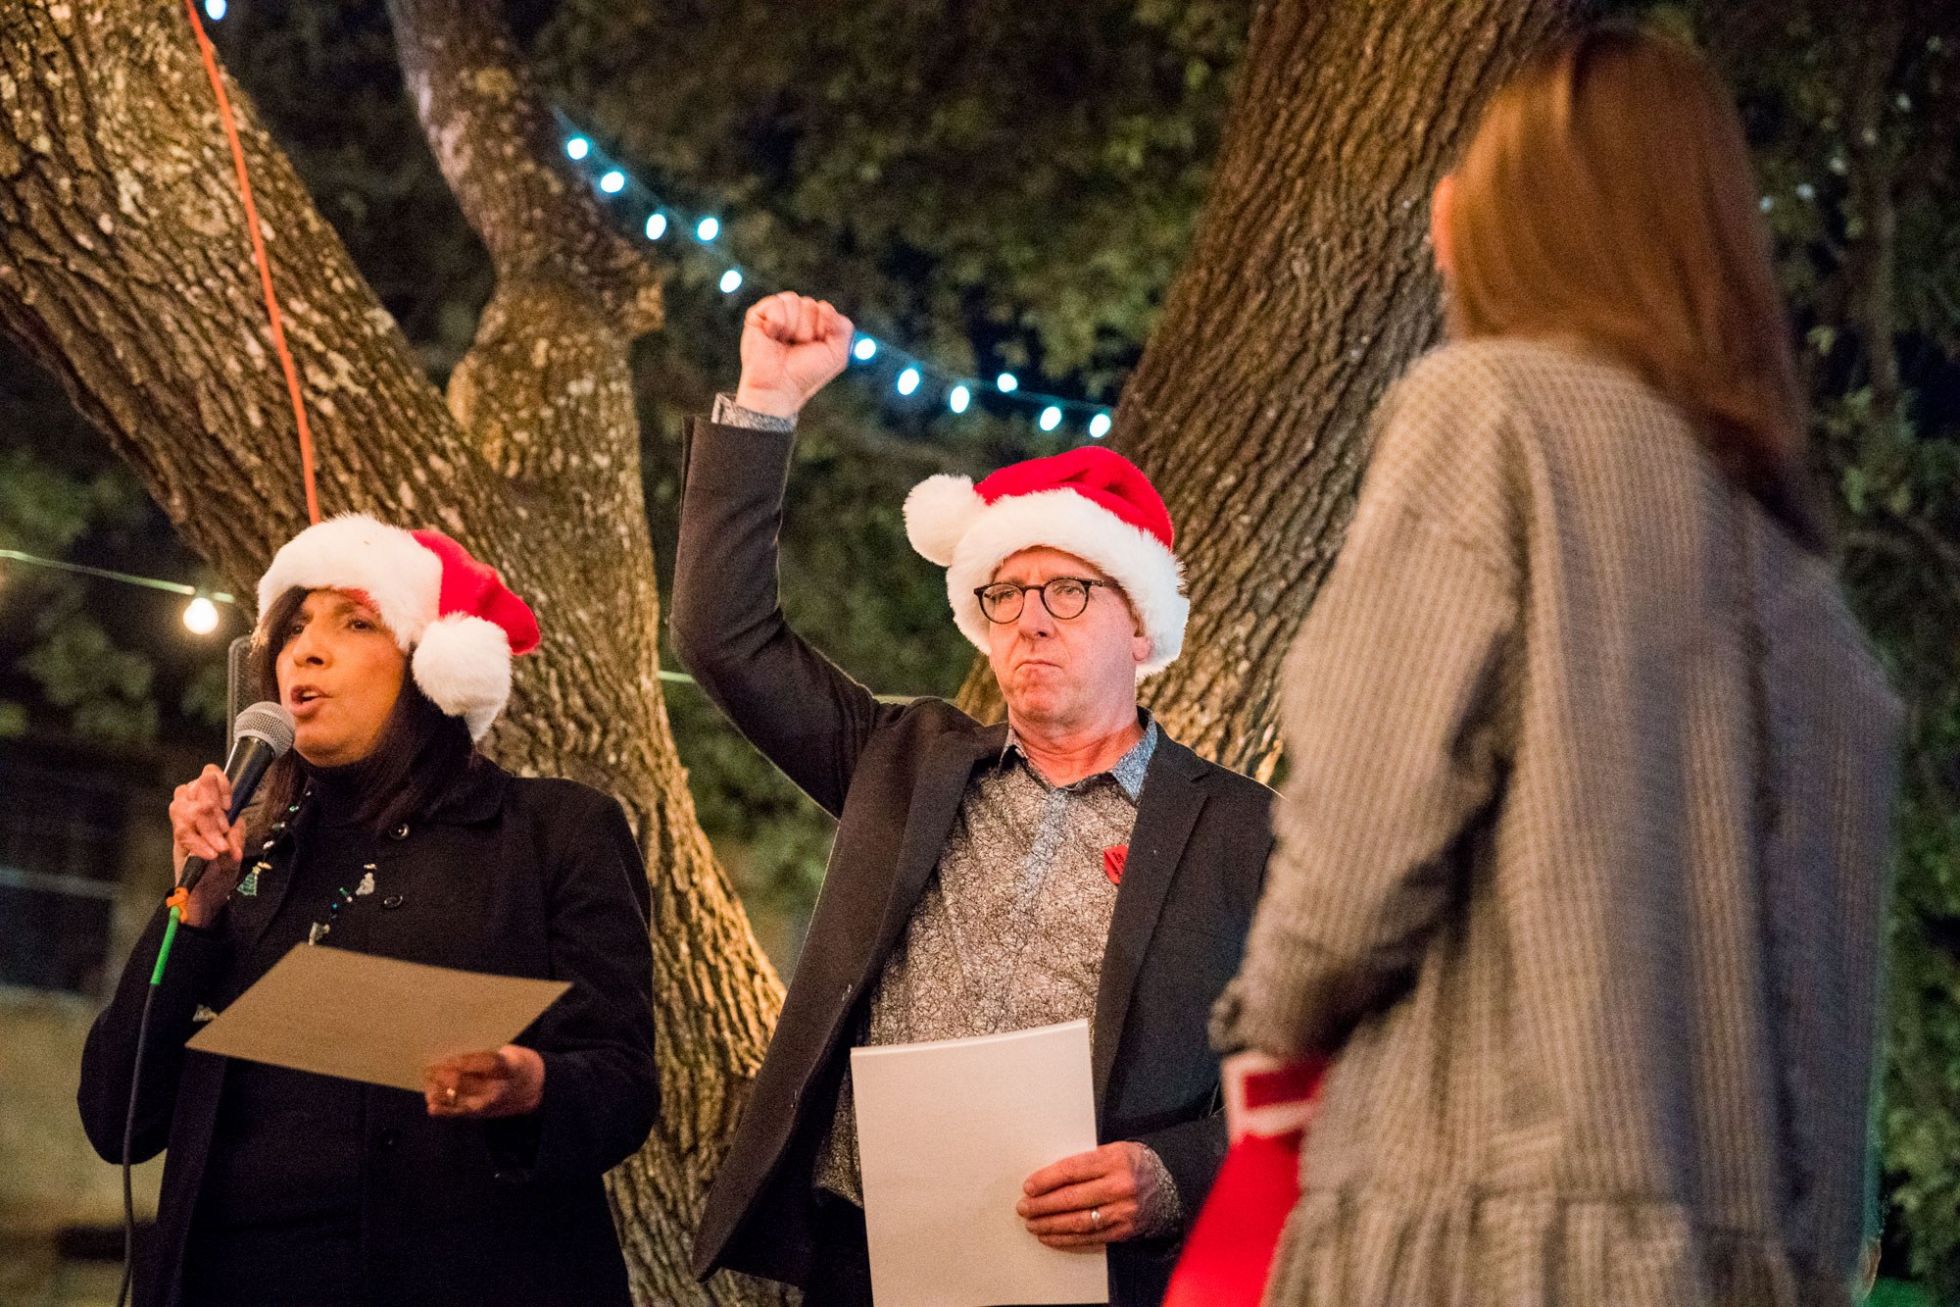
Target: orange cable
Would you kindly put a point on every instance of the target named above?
(258, 254)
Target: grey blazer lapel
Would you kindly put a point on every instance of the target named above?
(935, 802)
(1167, 809)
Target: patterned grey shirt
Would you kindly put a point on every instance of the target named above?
(1010, 930)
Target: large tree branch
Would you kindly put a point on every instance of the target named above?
(498, 148)
(124, 268)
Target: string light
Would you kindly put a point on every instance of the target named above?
(215, 10)
(203, 604)
(911, 373)
(200, 616)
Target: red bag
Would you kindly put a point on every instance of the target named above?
(1229, 1252)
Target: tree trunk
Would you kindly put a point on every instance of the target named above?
(1307, 290)
(125, 269)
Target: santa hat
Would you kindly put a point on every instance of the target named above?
(1089, 502)
(455, 618)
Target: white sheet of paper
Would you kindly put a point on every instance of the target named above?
(947, 1134)
(377, 1020)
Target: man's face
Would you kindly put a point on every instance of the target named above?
(1063, 673)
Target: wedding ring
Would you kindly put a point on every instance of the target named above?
(1095, 1218)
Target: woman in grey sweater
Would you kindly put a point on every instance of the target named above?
(1582, 859)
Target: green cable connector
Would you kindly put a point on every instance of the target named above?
(163, 954)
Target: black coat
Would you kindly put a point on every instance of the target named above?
(894, 777)
(536, 878)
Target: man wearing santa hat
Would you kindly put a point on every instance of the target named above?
(1073, 862)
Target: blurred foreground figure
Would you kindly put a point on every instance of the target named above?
(1583, 854)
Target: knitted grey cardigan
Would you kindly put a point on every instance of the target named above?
(1581, 868)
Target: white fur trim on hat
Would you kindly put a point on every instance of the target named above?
(463, 665)
(938, 514)
(355, 552)
(1062, 519)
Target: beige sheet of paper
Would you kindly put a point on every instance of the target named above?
(947, 1133)
(377, 1020)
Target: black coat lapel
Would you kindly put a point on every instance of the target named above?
(1167, 809)
(935, 802)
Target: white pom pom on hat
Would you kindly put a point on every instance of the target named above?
(463, 665)
(938, 514)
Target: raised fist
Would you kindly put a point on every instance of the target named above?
(792, 346)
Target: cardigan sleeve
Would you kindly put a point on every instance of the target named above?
(1395, 725)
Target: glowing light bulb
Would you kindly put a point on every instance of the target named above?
(707, 229)
(908, 381)
(578, 147)
(731, 281)
(865, 350)
(1099, 426)
(613, 182)
(216, 10)
(656, 226)
(1007, 383)
(959, 399)
(200, 616)
(1051, 417)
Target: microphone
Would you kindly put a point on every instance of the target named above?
(261, 735)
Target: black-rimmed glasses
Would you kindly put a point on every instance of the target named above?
(1063, 596)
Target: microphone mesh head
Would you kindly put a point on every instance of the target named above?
(268, 721)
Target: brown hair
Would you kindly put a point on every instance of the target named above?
(421, 754)
(1607, 196)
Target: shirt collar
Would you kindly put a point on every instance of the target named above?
(1128, 771)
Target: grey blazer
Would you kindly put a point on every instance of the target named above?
(893, 776)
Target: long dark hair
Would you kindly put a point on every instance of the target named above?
(421, 754)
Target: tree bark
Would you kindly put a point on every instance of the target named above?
(125, 269)
(1307, 290)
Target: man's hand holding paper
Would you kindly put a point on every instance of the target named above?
(1092, 1198)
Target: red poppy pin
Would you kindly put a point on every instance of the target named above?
(1113, 859)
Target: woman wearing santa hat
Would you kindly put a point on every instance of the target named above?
(384, 831)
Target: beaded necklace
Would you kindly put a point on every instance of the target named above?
(248, 885)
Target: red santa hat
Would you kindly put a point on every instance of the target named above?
(455, 618)
(1090, 502)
